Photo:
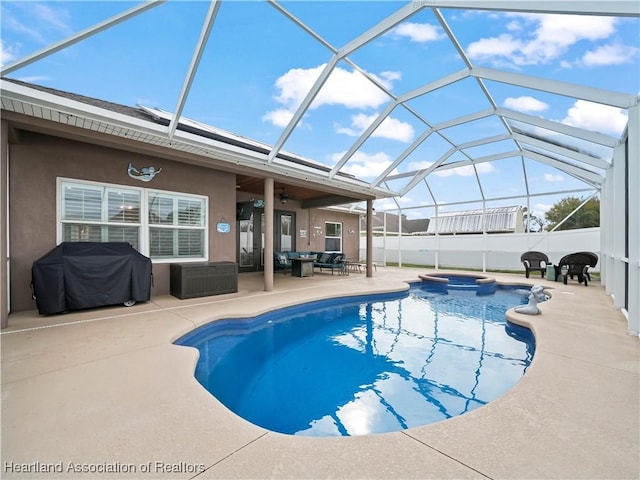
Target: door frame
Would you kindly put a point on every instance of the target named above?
(256, 219)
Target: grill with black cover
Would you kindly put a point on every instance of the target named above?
(79, 275)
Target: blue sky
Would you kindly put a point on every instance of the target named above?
(258, 66)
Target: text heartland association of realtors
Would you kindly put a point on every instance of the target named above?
(103, 467)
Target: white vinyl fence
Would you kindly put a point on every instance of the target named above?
(484, 252)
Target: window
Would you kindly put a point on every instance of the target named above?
(98, 213)
(176, 226)
(332, 237)
(286, 233)
(162, 225)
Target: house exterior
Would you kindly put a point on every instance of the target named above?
(80, 169)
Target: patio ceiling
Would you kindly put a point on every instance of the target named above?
(523, 138)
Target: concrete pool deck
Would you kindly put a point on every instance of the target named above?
(106, 390)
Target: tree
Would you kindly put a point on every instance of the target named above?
(587, 216)
(532, 223)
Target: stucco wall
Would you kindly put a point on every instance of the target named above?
(316, 242)
(36, 162)
(4, 247)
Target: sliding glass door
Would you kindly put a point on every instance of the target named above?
(250, 241)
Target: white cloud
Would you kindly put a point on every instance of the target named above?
(388, 204)
(614, 54)
(279, 117)
(467, 170)
(406, 200)
(12, 23)
(417, 32)
(8, 53)
(550, 177)
(539, 39)
(345, 130)
(56, 18)
(540, 209)
(364, 165)
(391, 76)
(350, 89)
(416, 166)
(390, 128)
(516, 26)
(569, 29)
(414, 215)
(504, 45)
(525, 104)
(34, 21)
(40, 19)
(486, 167)
(596, 117)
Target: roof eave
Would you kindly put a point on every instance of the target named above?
(32, 102)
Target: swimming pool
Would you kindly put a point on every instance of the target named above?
(366, 364)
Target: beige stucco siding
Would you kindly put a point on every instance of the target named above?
(36, 162)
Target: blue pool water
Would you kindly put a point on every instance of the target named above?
(367, 364)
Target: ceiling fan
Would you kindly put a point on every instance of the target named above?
(284, 197)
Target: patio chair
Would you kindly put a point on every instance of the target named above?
(577, 264)
(281, 262)
(534, 262)
(332, 261)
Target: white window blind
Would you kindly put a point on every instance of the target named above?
(177, 226)
(161, 225)
(82, 202)
(100, 213)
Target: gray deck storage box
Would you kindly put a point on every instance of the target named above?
(190, 280)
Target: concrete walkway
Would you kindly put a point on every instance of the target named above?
(106, 391)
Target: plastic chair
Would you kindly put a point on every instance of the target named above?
(578, 264)
(534, 262)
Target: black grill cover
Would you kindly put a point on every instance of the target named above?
(78, 275)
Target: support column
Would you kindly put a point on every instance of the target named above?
(607, 276)
(437, 230)
(4, 224)
(384, 238)
(399, 238)
(268, 234)
(369, 238)
(485, 238)
(617, 213)
(633, 234)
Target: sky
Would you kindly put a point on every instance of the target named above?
(258, 66)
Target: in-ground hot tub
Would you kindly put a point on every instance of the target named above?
(443, 282)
